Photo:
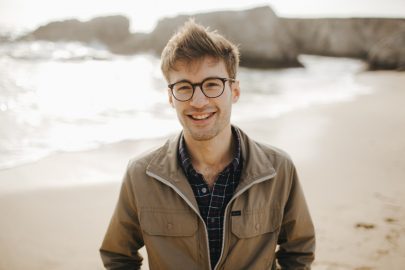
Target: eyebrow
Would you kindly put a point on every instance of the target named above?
(209, 77)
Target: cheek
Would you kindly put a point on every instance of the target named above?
(177, 106)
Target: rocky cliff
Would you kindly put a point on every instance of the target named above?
(265, 40)
(379, 41)
(109, 30)
(261, 37)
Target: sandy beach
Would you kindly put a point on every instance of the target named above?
(350, 157)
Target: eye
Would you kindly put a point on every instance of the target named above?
(213, 84)
(183, 86)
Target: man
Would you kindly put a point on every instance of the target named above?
(210, 198)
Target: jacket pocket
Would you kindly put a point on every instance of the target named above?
(255, 222)
(168, 222)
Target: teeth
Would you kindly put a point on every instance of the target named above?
(200, 117)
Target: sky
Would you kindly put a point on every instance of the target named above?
(29, 14)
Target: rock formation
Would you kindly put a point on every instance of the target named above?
(379, 41)
(265, 40)
(262, 40)
(108, 30)
(388, 53)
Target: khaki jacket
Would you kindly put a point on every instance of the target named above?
(157, 208)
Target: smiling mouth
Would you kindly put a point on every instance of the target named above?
(200, 117)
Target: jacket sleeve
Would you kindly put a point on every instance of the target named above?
(297, 235)
(123, 239)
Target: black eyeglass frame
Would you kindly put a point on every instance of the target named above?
(200, 84)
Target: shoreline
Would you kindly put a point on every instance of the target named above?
(350, 157)
(68, 169)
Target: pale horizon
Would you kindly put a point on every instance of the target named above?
(28, 15)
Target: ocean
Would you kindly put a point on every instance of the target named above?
(58, 96)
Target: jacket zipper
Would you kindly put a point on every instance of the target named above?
(164, 181)
(262, 179)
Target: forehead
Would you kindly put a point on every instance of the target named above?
(198, 69)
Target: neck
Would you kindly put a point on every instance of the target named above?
(215, 153)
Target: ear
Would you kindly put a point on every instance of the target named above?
(169, 94)
(235, 91)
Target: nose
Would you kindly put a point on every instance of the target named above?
(198, 100)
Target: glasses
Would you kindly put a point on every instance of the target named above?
(211, 87)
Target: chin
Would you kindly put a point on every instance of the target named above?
(203, 136)
(206, 133)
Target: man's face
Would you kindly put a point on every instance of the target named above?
(203, 118)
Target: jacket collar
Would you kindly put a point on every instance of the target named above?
(165, 165)
(257, 164)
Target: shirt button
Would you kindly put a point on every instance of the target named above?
(212, 220)
(203, 190)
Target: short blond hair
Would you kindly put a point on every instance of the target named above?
(193, 42)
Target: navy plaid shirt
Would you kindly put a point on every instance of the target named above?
(212, 203)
